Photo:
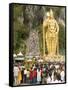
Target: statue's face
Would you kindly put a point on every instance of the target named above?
(49, 17)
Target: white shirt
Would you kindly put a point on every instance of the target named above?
(56, 66)
(28, 73)
(16, 70)
(62, 75)
(25, 71)
(38, 75)
(48, 80)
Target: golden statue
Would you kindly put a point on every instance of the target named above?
(50, 34)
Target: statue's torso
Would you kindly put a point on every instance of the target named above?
(51, 30)
(52, 26)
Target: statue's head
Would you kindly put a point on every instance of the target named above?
(50, 14)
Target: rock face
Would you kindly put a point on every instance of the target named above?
(28, 18)
(33, 44)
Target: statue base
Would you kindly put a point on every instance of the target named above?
(55, 58)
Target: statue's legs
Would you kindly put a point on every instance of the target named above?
(54, 45)
(51, 43)
(49, 46)
(48, 43)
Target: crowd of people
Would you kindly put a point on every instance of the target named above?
(39, 73)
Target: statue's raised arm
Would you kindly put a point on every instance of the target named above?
(57, 27)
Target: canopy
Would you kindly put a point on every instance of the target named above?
(29, 56)
(18, 58)
(29, 60)
(14, 55)
(19, 54)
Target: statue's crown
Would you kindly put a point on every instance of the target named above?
(51, 13)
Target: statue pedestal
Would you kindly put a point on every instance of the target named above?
(56, 58)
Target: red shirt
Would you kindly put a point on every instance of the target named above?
(41, 71)
(34, 73)
(31, 75)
